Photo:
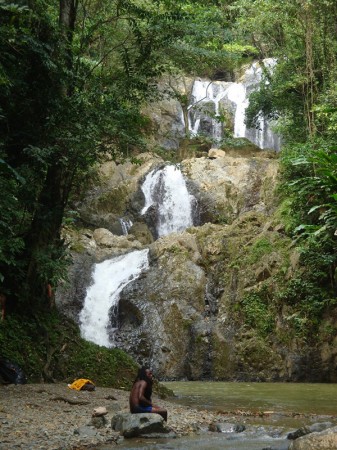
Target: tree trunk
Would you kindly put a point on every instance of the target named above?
(44, 240)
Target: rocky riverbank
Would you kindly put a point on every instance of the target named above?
(54, 417)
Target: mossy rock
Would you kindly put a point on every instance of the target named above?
(256, 359)
(114, 201)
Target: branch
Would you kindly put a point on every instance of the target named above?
(68, 400)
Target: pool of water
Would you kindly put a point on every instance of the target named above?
(286, 407)
(297, 398)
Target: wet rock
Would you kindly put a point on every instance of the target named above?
(86, 431)
(316, 427)
(133, 425)
(99, 422)
(324, 440)
(227, 427)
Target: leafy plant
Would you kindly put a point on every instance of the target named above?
(257, 313)
(259, 248)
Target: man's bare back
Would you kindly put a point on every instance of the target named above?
(140, 395)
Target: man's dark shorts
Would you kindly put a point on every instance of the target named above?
(141, 409)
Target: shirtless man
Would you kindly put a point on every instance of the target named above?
(141, 393)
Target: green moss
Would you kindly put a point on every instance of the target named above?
(284, 215)
(258, 249)
(77, 247)
(258, 312)
(177, 328)
(222, 364)
(256, 359)
(113, 200)
(187, 323)
(176, 249)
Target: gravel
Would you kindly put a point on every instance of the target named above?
(55, 417)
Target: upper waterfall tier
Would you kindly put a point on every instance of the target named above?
(211, 99)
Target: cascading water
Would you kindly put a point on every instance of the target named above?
(126, 224)
(109, 278)
(208, 98)
(209, 94)
(166, 190)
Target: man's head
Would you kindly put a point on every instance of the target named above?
(144, 373)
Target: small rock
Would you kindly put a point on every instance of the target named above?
(100, 411)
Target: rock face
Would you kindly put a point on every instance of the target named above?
(232, 185)
(214, 302)
(116, 196)
(307, 429)
(167, 114)
(187, 306)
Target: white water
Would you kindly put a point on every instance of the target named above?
(236, 93)
(208, 98)
(109, 278)
(126, 224)
(206, 91)
(166, 191)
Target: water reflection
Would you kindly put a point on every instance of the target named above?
(301, 398)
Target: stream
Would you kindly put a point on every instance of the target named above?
(300, 398)
(273, 410)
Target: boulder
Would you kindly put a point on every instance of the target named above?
(216, 153)
(307, 429)
(133, 425)
(324, 440)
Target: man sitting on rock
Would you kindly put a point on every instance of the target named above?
(141, 393)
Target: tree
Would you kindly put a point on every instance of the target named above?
(301, 36)
(74, 76)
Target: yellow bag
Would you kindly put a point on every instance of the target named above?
(82, 385)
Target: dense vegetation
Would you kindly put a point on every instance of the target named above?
(73, 77)
(302, 94)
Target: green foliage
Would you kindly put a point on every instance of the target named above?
(48, 347)
(257, 312)
(307, 303)
(300, 35)
(243, 49)
(259, 248)
(11, 243)
(110, 368)
(308, 190)
(206, 43)
(310, 174)
(71, 94)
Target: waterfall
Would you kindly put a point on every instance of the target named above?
(109, 278)
(166, 191)
(204, 110)
(236, 93)
(126, 224)
(208, 98)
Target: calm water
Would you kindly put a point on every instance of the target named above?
(303, 398)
